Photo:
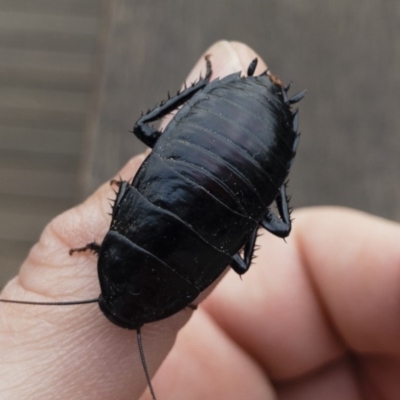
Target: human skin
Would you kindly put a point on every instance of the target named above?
(316, 317)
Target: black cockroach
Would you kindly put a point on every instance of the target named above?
(199, 197)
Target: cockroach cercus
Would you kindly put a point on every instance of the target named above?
(197, 201)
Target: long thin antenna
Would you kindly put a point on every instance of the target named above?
(146, 371)
(51, 303)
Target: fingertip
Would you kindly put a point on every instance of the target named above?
(226, 58)
(353, 260)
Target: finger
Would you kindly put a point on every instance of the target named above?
(206, 363)
(357, 288)
(226, 58)
(359, 280)
(331, 288)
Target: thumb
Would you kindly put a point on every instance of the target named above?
(52, 352)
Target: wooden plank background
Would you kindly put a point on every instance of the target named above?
(346, 53)
(47, 54)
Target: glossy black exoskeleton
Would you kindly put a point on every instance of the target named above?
(199, 197)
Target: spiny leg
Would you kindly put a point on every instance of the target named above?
(149, 135)
(241, 265)
(279, 227)
(297, 97)
(116, 182)
(252, 67)
(94, 247)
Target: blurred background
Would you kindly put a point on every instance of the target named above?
(75, 75)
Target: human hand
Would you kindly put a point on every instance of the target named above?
(311, 316)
